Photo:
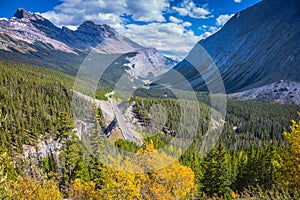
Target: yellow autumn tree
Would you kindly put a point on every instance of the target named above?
(171, 182)
(32, 189)
(83, 190)
(119, 184)
(289, 160)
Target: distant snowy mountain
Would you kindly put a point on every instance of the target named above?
(148, 63)
(285, 92)
(172, 56)
(30, 38)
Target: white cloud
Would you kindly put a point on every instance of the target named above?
(187, 24)
(60, 19)
(237, 1)
(208, 30)
(73, 28)
(175, 20)
(200, 12)
(222, 19)
(74, 12)
(104, 18)
(181, 11)
(172, 36)
(189, 8)
(168, 37)
(163, 36)
(147, 11)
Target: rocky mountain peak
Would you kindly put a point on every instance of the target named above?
(90, 27)
(87, 24)
(21, 13)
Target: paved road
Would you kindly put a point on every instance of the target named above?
(126, 132)
(121, 121)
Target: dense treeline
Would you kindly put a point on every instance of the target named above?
(31, 99)
(247, 122)
(257, 122)
(252, 157)
(35, 107)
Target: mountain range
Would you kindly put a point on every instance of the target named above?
(256, 49)
(30, 38)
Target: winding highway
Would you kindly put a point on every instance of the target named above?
(126, 132)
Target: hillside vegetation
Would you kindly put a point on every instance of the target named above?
(256, 155)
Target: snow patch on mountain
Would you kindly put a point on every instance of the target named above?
(173, 56)
(284, 92)
(148, 63)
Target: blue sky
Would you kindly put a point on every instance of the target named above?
(168, 25)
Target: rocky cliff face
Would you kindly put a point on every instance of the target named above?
(256, 47)
(259, 45)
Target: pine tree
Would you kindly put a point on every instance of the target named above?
(71, 154)
(216, 177)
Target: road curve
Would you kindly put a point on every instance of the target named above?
(126, 132)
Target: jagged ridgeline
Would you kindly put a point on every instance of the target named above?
(31, 99)
(62, 49)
